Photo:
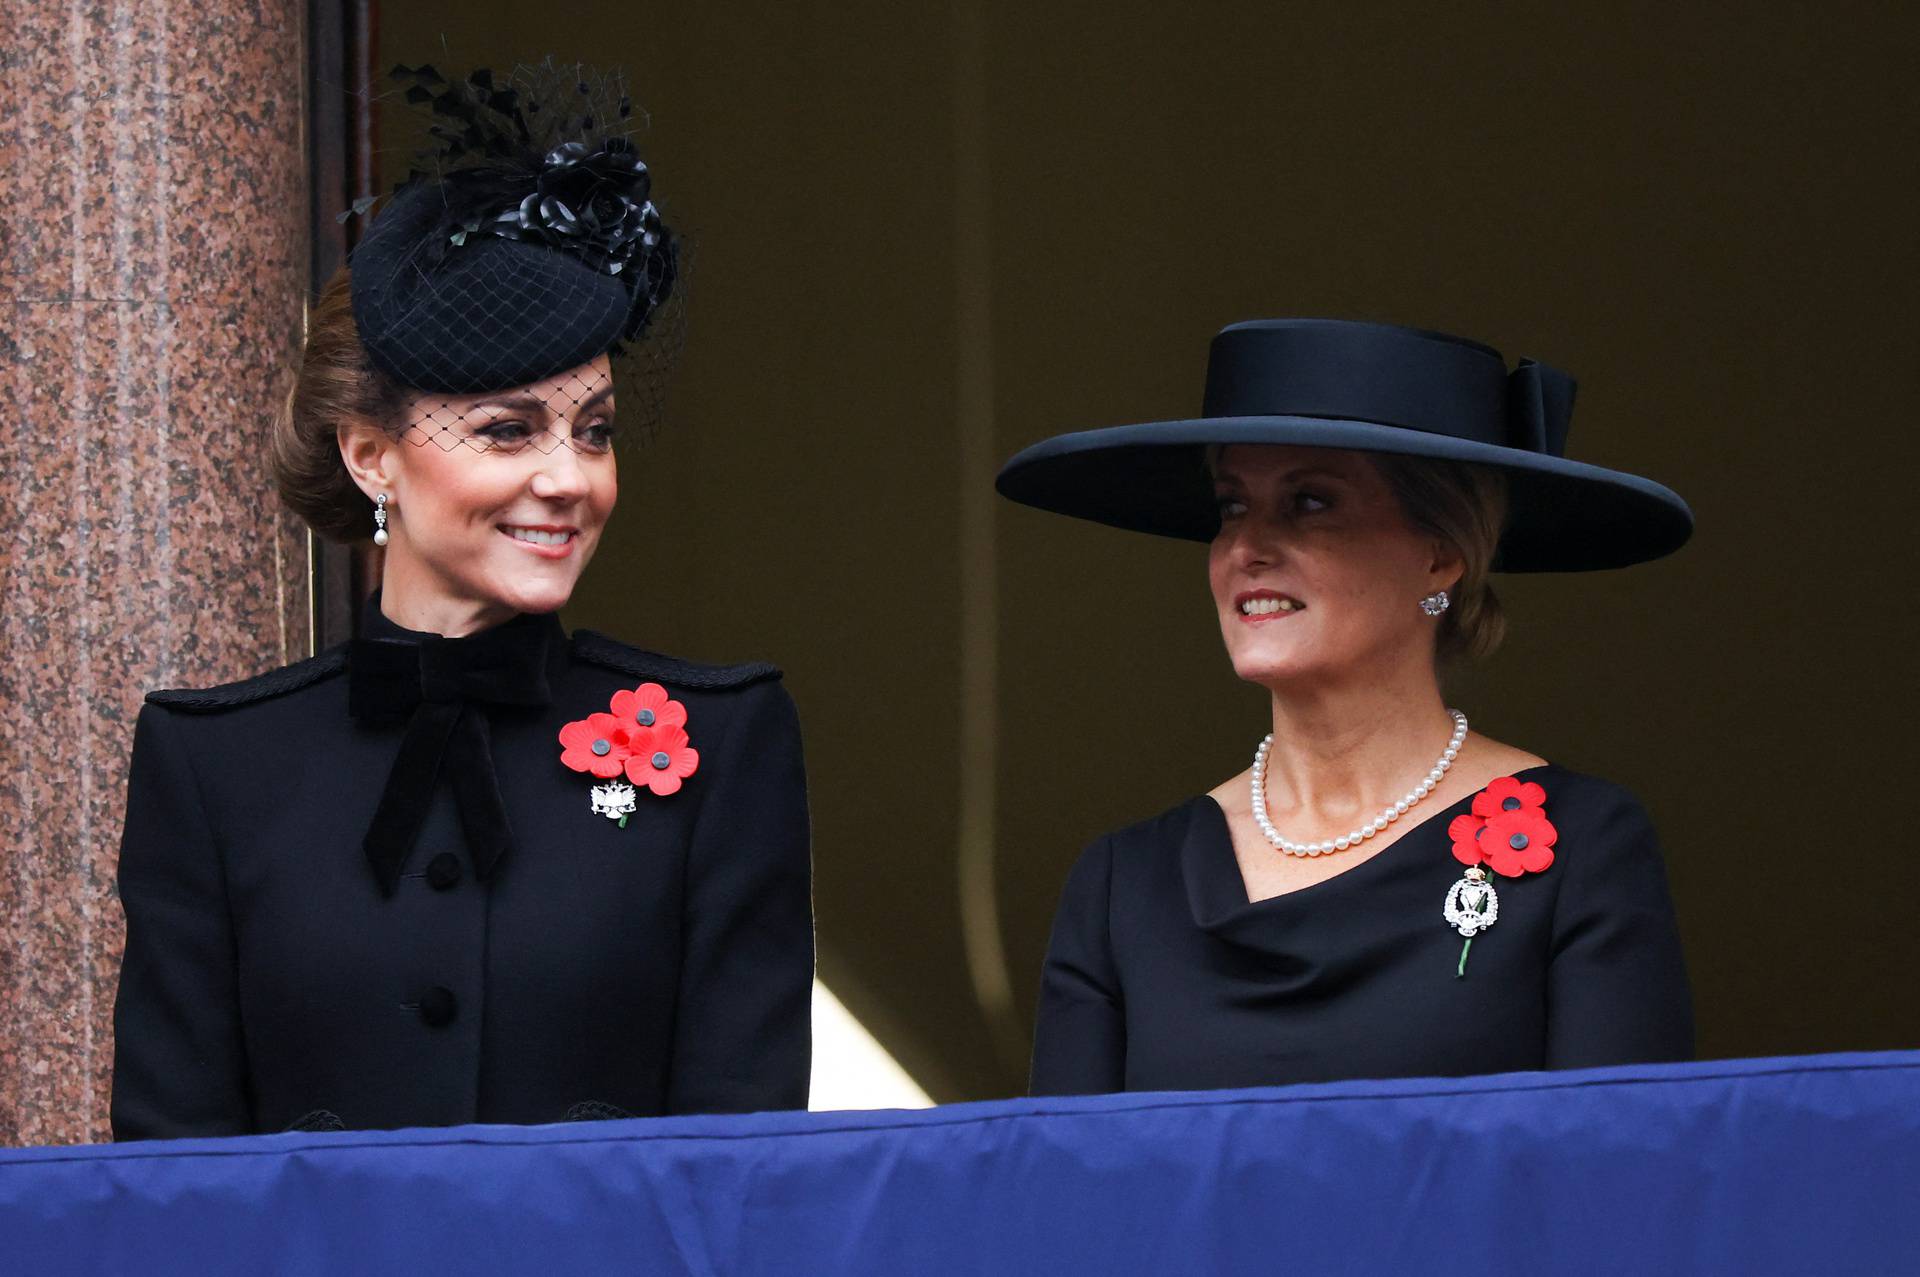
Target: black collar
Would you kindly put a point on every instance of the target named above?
(392, 669)
(444, 689)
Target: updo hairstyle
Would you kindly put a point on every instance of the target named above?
(337, 384)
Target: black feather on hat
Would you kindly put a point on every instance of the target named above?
(524, 243)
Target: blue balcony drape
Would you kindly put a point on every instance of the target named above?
(1755, 1166)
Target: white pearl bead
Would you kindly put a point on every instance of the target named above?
(1368, 830)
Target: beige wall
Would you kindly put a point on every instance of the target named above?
(929, 235)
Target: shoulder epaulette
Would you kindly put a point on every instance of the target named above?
(598, 649)
(288, 678)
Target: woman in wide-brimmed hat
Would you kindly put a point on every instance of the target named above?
(1382, 892)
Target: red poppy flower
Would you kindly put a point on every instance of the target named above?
(660, 759)
(1517, 842)
(1508, 794)
(598, 743)
(1465, 832)
(648, 705)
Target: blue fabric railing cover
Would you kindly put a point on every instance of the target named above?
(1758, 1166)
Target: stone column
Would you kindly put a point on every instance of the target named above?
(153, 255)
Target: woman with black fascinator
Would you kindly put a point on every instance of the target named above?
(469, 867)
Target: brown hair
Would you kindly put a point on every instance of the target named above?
(1465, 506)
(337, 384)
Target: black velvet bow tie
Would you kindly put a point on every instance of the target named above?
(442, 688)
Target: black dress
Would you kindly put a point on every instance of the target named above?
(485, 948)
(1162, 976)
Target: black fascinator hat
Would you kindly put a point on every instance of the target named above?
(1367, 388)
(525, 242)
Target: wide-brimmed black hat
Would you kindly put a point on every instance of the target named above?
(1370, 388)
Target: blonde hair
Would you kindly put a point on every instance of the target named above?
(336, 385)
(1465, 506)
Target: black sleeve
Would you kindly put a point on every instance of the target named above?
(1617, 987)
(179, 1063)
(1080, 1037)
(742, 1036)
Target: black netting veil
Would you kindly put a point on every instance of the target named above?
(524, 245)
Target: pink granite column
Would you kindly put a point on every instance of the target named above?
(153, 243)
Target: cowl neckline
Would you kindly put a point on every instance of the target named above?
(1217, 893)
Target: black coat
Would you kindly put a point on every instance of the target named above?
(269, 980)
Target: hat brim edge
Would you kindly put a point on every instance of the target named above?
(1565, 515)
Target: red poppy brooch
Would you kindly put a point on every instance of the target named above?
(640, 743)
(1506, 831)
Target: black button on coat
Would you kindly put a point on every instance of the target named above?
(663, 967)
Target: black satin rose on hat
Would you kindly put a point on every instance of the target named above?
(593, 203)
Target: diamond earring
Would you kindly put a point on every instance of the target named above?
(380, 519)
(1436, 603)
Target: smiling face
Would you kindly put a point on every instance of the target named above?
(1317, 573)
(497, 500)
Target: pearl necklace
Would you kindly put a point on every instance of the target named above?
(1386, 817)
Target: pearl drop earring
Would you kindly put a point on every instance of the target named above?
(380, 519)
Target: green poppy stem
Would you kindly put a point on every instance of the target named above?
(623, 822)
(1461, 972)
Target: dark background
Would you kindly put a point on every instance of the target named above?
(931, 234)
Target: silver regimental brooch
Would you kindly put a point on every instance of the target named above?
(614, 801)
(1472, 906)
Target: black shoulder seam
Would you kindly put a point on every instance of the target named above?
(288, 678)
(598, 649)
